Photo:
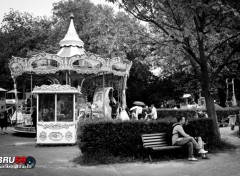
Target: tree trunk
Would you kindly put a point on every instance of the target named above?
(210, 106)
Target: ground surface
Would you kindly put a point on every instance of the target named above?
(57, 161)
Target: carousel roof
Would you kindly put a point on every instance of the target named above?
(71, 44)
(55, 88)
(71, 57)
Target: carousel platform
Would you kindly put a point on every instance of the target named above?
(24, 129)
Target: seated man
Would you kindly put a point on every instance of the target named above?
(179, 137)
(189, 129)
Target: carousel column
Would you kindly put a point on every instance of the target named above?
(69, 78)
(24, 88)
(16, 97)
(66, 78)
(123, 113)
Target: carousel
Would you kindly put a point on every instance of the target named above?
(66, 84)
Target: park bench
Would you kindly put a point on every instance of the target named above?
(156, 142)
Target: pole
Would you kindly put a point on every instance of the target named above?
(227, 93)
(124, 102)
(234, 101)
(103, 96)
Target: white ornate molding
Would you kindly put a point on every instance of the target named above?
(55, 88)
(88, 63)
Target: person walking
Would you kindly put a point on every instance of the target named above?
(4, 122)
(179, 137)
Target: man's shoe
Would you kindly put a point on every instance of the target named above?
(192, 159)
(202, 151)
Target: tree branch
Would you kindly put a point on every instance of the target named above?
(225, 63)
(223, 42)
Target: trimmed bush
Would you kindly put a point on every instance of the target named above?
(124, 138)
(167, 114)
(171, 114)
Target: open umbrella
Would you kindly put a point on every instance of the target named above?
(139, 103)
(134, 107)
(186, 95)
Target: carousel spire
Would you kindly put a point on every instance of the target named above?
(71, 44)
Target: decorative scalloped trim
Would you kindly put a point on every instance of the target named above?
(54, 126)
(18, 66)
(55, 88)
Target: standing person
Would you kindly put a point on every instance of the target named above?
(238, 121)
(179, 137)
(153, 112)
(114, 110)
(4, 122)
(139, 112)
(145, 112)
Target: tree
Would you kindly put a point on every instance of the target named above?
(201, 33)
(102, 31)
(22, 35)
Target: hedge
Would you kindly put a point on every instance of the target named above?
(164, 114)
(124, 138)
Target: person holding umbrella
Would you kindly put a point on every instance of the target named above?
(139, 109)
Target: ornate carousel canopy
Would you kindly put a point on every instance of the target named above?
(71, 57)
(55, 88)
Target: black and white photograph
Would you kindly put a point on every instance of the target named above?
(119, 87)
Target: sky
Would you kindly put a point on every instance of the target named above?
(35, 7)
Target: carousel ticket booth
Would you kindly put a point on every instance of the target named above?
(2, 99)
(56, 122)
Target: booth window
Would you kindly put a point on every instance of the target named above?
(65, 107)
(47, 107)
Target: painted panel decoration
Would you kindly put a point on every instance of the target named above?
(16, 68)
(55, 136)
(45, 64)
(68, 136)
(43, 136)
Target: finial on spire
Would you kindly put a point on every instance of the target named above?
(71, 16)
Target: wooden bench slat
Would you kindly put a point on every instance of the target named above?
(152, 146)
(149, 146)
(154, 134)
(166, 147)
(152, 140)
(155, 142)
(155, 137)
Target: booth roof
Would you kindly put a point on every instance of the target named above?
(13, 91)
(55, 88)
(2, 90)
